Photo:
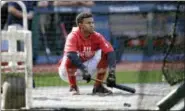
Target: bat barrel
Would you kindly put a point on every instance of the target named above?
(125, 88)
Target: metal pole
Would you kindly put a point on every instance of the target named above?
(172, 98)
(149, 47)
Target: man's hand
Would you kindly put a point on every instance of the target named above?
(86, 76)
(111, 79)
(30, 15)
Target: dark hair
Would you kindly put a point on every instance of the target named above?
(81, 16)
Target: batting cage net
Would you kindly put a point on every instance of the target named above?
(147, 37)
(174, 66)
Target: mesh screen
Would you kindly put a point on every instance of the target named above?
(173, 65)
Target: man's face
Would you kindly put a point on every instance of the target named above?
(88, 25)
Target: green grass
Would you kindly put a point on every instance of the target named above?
(53, 79)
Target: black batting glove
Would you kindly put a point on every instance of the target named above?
(86, 76)
(111, 79)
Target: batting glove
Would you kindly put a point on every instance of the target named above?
(86, 76)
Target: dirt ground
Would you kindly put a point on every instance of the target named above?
(123, 66)
(146, 97)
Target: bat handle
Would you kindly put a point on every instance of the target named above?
(123, 87)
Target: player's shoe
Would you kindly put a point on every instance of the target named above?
(74, 90)
(101, 90)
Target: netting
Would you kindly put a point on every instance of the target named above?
(135, 39)
(140, 35)
(173, 65)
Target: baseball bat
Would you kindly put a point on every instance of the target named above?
(118, 86)
(47, 49)
(64, 31)
(125, 88)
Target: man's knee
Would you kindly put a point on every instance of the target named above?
(103, 62)
(101, 70)
(66, 62)
(66, 69)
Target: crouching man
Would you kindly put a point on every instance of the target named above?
(87, 52)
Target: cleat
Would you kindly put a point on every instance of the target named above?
(74, 90)
(101, 90)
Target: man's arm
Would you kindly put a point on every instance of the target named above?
(42, 4)
(108, 49)
(71, 52)
(111, 59)
(111, 79)
(15, 12)
(18, 13)
(75, 59)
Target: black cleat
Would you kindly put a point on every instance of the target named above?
(101, 90)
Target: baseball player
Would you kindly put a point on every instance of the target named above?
(87, 52)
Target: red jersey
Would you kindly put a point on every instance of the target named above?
(86, 47)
